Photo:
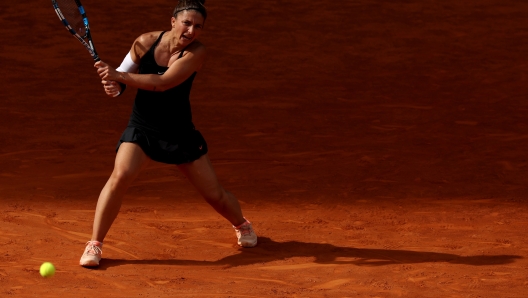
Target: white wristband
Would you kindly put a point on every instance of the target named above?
(128, 65)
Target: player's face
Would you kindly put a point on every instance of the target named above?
(187, 25)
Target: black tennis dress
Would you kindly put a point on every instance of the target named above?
(161, 122)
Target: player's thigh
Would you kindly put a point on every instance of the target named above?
(130, 160)
(202, 175)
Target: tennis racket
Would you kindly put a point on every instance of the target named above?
(73, 16)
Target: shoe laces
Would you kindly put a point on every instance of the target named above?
(244, 229)
(93, 249)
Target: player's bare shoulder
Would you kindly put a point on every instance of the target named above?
(196, 49)
(143, 43)
(197, 46)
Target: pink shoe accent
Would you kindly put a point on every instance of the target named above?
(92, 254)
(246, 222)
(245, 234)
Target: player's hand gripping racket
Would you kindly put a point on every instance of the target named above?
(73, 16)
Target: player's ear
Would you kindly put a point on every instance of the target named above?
(173, 21)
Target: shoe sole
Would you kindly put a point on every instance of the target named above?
(89, 264)
(248, 244)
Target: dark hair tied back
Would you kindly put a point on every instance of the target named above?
(197, 5)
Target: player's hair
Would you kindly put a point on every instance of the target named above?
(197, 5)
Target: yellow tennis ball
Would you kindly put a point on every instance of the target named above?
(47, 269)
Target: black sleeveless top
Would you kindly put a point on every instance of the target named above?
(165, 115)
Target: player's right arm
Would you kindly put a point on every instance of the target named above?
(131, 61)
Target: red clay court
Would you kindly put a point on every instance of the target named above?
(379, 148)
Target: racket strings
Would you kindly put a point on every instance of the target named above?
(72, 15)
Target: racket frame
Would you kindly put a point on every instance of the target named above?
(86, 40)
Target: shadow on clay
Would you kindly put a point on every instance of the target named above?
(268, 251)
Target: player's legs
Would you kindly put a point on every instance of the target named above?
(202, 175)
(129, 162)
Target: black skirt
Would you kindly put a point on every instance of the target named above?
(186, 147)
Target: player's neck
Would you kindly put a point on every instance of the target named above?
(172, 45)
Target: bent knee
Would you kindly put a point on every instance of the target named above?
(216, 195)
(122, 176)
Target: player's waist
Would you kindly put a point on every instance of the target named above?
(172, 127)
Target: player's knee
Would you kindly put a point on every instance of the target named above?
(121, 177)
(216, 195)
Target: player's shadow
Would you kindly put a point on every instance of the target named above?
(269, 251)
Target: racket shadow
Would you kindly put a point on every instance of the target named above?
(268, 251)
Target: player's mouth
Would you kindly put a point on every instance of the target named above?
(186, 38)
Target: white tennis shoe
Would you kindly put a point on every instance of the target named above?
(246, 235)
(92, 254)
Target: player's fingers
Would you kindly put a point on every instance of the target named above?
(110, 90)
(107, 82)
(102, 69)
(113, 93)
(100, 64)
(110, 87)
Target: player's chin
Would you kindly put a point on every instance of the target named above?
(186, 40)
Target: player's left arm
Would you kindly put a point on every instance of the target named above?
(176, 74)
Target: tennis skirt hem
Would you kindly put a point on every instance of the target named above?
(186, 148)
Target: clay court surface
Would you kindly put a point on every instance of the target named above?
(379, 148)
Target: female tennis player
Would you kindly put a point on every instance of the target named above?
(162, 65)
